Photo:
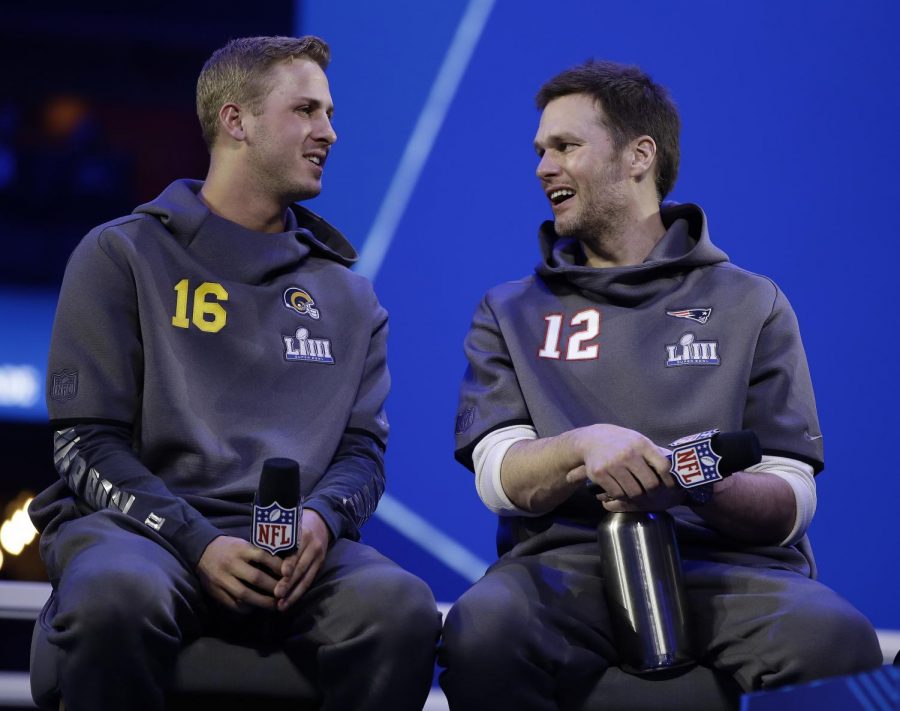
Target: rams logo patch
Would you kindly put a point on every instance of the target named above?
(298, 300)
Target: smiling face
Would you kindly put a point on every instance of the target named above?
(287, 143)
(581, 172)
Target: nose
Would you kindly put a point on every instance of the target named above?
(546, 167)
(325, 131)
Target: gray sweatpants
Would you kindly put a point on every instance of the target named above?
(534, 633)
(126, 604)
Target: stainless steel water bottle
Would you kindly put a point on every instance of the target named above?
(645, 591)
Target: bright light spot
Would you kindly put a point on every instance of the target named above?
(18, 532)
(20, 385)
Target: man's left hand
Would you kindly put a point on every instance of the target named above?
(300, 569)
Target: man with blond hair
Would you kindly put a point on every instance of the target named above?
(213, 328)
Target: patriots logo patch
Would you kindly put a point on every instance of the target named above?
(698, 315)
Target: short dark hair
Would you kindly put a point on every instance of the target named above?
(239, 72)
(633, 105)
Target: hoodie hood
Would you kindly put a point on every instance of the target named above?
(685, 246)
(245, 254)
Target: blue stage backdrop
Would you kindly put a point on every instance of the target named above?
(789, 144)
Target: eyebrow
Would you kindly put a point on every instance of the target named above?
(556, 138)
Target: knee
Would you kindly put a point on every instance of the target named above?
(483, 632)
(399, 608)
(844, 641)
(112, 601)
(823, 638)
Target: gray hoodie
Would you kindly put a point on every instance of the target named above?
(682, 343)
(187, 349)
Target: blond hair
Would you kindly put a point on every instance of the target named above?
(239, 72)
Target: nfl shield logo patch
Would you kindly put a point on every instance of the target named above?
(275, 528)
(695, 464)
(465, 419)
(64, 385)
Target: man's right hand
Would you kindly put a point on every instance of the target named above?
(227, 572)
(627, 466)
(538, 475)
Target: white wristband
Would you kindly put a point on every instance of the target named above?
(487, 458)
(800, 478)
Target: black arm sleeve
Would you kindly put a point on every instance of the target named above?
(94, 388)
(348, 492)
(97, 462)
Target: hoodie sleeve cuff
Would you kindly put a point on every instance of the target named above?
(193, 540)
(335, 521)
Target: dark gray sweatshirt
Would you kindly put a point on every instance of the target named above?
(187, 349)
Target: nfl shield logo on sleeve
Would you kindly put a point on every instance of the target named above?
(64, 385)
(465, 419)
(274, 528)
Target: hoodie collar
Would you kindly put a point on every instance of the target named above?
(242, 254)
(685, 245)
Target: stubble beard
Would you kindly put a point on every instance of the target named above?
(277, 181)
(275, 170)
(603, 213)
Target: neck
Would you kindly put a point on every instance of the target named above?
(629, 244)
(241, 201)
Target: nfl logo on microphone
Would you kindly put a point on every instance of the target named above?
(274, 528)
(695, 464)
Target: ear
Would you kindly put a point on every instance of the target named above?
(641, 152)
(231, 120)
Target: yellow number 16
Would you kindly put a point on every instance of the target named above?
(208, 315)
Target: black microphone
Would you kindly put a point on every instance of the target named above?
(709, 456)
(277, 509)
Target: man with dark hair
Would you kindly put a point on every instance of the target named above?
(634, 331)
(213, 328)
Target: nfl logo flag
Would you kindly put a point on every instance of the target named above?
(275, 528)
(695, 463)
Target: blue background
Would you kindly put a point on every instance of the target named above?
(789, 143)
